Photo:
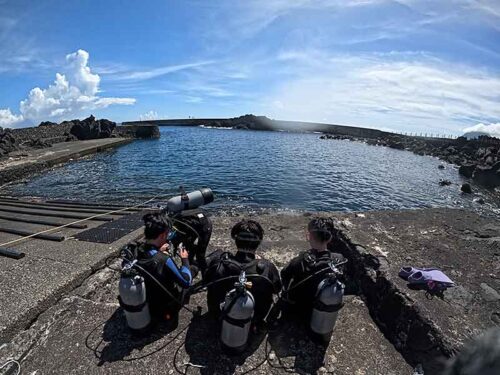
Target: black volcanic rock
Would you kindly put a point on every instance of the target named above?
(37, 143)
(487, 176)
(246, 122)
(7, 142)
(395, 142)
(466, 188)
(467, 170)
(481, 154)
(90, 128)
(48, 123)
(478, 200)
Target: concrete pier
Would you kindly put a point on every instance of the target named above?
(21, 164)
(385, 327)
(49, 269)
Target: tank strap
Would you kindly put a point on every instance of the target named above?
(236, 322)
(318, 305)
(241, 266)
(130, 308)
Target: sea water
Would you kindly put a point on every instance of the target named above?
(250, 170)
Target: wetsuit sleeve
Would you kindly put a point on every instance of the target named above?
(274, 275)
(183, 275)
(213, 260)
(291, 271)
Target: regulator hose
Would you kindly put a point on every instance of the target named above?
(201, 286)
(311, 276)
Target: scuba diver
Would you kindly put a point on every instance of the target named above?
(150, 265)
(224, 268)
(193, 226)
(197, 231)
(164, 280)
(311, 286)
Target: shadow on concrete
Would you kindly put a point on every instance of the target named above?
(203, 347)
(293, 349)
(119, 342)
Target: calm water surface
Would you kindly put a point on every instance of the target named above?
(254, 170)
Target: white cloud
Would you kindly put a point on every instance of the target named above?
(74, 92)
(491, 129)
(151, 115)
(7, 118)
(156, 72)
(412, 93)
(106, 102)
(193, 99)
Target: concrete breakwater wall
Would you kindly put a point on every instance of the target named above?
(250, 122)
(140, 131)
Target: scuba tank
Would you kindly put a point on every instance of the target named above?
(237, 314)
(187, 201)
(132, 298)
(327, 303)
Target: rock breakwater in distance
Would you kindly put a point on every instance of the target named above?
(478, 159)
(48, 133)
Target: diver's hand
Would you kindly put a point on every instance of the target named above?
(165, 249)
(183, 253)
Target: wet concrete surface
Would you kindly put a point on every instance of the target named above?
(20, 164)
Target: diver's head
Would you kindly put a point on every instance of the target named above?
(247, 234)
(156, 228)
(319, 232)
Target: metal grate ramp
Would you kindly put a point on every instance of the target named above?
(114, 230)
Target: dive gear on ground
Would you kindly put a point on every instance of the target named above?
(433, 280)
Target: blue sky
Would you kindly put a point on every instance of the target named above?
(407, 65)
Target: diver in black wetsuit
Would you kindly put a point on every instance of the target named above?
(156, 258)
(263, 274)
(196, 228)
(299, 295)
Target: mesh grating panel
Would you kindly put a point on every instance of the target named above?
(114, 230)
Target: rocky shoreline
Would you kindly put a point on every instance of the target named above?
(477, 159)
(49, 133)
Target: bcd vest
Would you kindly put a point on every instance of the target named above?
(159, 301)
(311, 267)
(257, 272)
